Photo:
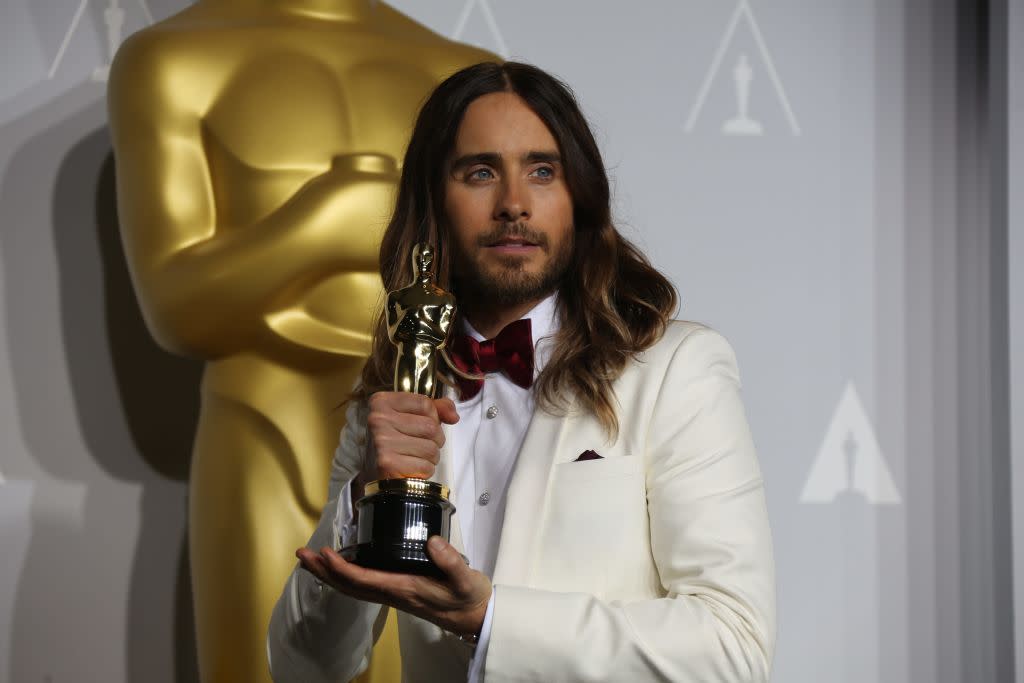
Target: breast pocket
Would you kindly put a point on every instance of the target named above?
(601, 468)
(596, 528)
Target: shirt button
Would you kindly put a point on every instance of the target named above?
(492, 412)
(484, 498)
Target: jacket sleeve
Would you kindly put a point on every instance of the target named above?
(316, 634)
(710, 542)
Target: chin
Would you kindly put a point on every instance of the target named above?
(509, 273)
(503, 263)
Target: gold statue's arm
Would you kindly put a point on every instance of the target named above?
(197, 280)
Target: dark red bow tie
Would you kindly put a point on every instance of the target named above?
(510, 352)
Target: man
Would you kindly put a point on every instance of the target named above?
(612, 512)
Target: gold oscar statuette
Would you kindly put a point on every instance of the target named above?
(397, 516)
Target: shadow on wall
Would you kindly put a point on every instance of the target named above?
(85, 369)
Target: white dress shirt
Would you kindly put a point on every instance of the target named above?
(483, 444)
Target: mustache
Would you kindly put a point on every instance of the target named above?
(504, 231)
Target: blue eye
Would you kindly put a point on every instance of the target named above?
(481, 174)
(545, 172)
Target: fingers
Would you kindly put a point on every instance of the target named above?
(312, 563)
(407, 434)
(394, 466)
(446, 411)
(391, 440)
(420, 427)
(354, 575)
(404, 402)
(448, 559)
(370, 585)
(457, 603)
(470, 589)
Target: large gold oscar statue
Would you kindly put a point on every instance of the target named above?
(256, 144)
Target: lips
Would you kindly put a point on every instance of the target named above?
(513, 238)
(512, 242)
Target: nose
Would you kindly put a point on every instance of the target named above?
(513, 201)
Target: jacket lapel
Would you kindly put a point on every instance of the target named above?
(527, 497)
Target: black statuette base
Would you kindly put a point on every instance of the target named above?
(393, 531)
(404, 557)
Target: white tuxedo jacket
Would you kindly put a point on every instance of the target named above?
(653, 563)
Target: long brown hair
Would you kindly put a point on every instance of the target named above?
(612, 302)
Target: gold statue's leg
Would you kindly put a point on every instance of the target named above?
(244, 525)
(246, 519)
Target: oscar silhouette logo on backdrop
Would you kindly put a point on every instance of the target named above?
(744, 122)
(850, 460)
(114, 20)
(492, 24)
(257, 145)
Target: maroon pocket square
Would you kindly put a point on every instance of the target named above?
(588, 455)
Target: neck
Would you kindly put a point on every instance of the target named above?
(489, 320)
(326, 9)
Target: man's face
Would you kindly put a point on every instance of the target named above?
(507, 203)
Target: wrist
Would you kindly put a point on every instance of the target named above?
(471, 639)
(477, 618)
(468, 627)
(470, 634)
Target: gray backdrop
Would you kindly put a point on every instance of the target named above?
(811, 174)
(1015, 258)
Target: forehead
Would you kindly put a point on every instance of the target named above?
(502, 122)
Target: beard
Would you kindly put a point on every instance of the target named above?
(507, 283)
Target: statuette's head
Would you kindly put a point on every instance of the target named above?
(423, 259)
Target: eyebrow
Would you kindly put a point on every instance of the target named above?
(494, 159)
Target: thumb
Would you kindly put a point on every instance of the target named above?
(447, 558)
(446, 411)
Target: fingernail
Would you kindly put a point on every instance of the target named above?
(436, 543)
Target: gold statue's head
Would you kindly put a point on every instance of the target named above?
(423, 259)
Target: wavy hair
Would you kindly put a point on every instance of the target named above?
(612, 303)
